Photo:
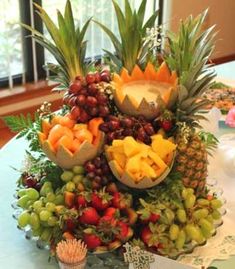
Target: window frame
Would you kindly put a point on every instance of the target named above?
(27, 44)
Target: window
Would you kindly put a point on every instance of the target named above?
(22, 59)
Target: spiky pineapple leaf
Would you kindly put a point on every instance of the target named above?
(67, 45)
(209, 140)
(130, 49)
(188, 53)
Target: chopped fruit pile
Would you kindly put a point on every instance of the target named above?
(63, 131)
(139, 160)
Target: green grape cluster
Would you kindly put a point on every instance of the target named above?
(189, 221)
(40, 210)
(75, 179)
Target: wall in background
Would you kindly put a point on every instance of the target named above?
(221, 13)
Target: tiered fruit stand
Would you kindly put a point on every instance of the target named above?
(123, 160)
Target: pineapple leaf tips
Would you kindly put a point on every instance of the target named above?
(188, 53)
(132, 47)
(67, 45)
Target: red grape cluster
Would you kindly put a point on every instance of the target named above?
(85, 97)
(98, 172)
(120, 127)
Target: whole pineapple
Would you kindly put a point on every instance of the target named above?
(191, 161)
(189, 52)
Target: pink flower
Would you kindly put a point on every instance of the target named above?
(230, 119)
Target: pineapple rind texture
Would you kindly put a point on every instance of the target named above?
(191, 162)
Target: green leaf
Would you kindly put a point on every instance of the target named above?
(141, 11)
(151, 21)
(18, 123)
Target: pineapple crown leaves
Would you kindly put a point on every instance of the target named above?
(132, 47)
(68, 46)
(209, 140)
(188, 54)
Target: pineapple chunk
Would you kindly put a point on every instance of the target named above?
(117, 149)
(120, 158)
(133, 164)
(149, 161)
(131, 147)
(117, 143)
(159, 162)
(162, 146)
(144, 150)
(147, 169)
(118, 168)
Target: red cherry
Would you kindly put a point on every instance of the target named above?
(75, 87)
(97, 77)
(90, 78)
(92, 89)
(75, 112)
(91, 101)
(166, 125)
(81, 100)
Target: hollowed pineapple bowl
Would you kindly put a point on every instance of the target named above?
(68, 144)
(145, 92)
(138, 165)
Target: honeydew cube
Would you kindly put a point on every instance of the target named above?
(131, 147)
(120, 158)
(157, 160)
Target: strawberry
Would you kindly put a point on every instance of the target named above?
(146, 235)
(121, 201)
(69, 199)
(81, 201)
(89, 216)
(123, 231)
(100, 200)
(166, 125)
(112, 188)
(70, 225)
(131, 216)
(112, 212)
(107, 220)
(91, 240)
(154, 217)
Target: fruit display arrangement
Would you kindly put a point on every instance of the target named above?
(221, 96)
(123, 160)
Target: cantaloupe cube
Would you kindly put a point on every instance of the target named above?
(42, 137)
(84, 134)
(68, 132)
(56, 133)
(46, 127)
(133, 164)
(131, 147)
(120, 158)
(79, 126)
(66, 121)
(94, 124)
(96, 139)
(56, 120)
(64, 141)
(75, 145)
(147, 169)
(158, 161)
